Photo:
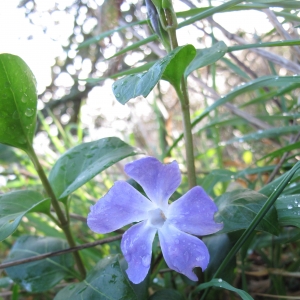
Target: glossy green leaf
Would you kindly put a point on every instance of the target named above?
(41, 275)
(220, 283)
(105, 281)
(14, 205)
(166, 294)
(170, 68)
(83, 162)
(207, 56)
(288, 210)
(238, 208)
(18, 102)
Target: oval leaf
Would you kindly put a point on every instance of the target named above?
(14, 205)
(83, 162)
(207, 56)
(238, 208)
(18, 102)
(105, 281)
(42, 275)
(170, 68)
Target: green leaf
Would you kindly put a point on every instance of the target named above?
(267, 44)
(7, 154)
(83, 162)
(18, 102)
(224, 285)
(166, 294)
(218, 246)
(170, 68)
(41, 275)
(14, 205)
(260, 134)
(5, 282)
(105, 281)
(238, 208)
(207, 56)
(209, 12)
(214, 177)
(264, 81)
(288, 210)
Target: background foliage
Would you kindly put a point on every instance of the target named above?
(244, 102)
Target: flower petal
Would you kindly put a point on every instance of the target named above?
(136, 246)
(182, 252)
(122, 205)
(159, 181)
(194, 213)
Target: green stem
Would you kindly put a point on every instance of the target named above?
(187, 132)
(185, 105)
(64, 224)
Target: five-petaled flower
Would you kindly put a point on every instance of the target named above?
(176, 223)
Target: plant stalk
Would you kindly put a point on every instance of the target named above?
(185, 106)
(64, 223)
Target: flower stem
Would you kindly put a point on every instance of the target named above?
(64, 223)
(185, 106)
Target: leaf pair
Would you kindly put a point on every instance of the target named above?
(180, 62)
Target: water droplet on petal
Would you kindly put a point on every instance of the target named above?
(146, 260)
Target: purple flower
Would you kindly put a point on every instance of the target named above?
(192, 214)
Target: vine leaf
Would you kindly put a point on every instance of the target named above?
(18, 102)
(207, 56)
(105, 281)
(238, 208)
(42, 275)
(14, 205)
(83, 162)
(170, 68)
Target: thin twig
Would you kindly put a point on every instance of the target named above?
(277, 59)
(60, 252)
(284, 34)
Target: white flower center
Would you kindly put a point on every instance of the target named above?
(156, 217)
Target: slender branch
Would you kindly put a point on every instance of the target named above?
(64, 224)
(185, 107)
(60, 252)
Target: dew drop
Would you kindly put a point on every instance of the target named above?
(16, 115)
(220, 280)
(289, 206)
(29, 112)
(146, 260)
